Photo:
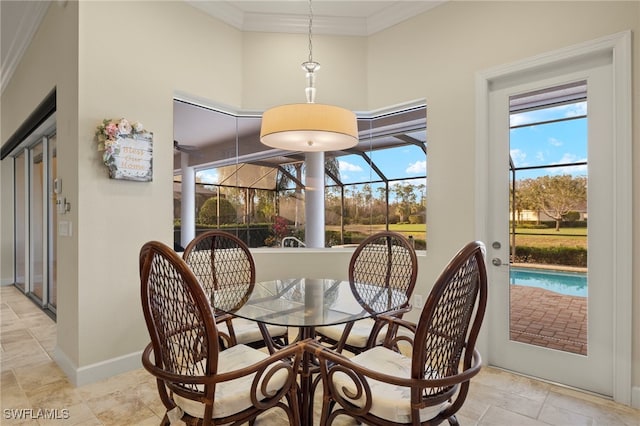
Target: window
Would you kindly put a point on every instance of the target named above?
(245, 187)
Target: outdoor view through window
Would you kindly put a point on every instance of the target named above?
(259, 196)
(548, 218)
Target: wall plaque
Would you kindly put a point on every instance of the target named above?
(128, 149)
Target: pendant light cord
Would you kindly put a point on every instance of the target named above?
(310, 32)
(310, 66)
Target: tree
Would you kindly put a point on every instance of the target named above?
(406, 199)
(554, 195)
(208, 214)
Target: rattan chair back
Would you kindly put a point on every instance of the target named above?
(383, 261)
(226, 270)
(180, 323)
(450, 322)
(382, 274)
(224, 267)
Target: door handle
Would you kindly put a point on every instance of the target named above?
(496, 261)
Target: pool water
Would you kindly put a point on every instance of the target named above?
(567, 283)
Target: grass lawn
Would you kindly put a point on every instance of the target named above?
(565, 237)
(552, 231)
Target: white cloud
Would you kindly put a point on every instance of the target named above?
(517, 119)
(417, 167)
(570, 170)
(540, 156)
(207, 176)
(519, 157)
(554, 142)
(348, 167)
(574, 110)
(568, 158)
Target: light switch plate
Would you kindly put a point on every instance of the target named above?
(64, 228)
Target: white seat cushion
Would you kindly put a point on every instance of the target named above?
(248, 331)
(233, 396)
(358, 335)
(390, 402)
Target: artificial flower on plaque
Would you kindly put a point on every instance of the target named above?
(127, 149)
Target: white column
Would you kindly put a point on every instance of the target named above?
(314, 199)
(188, 201)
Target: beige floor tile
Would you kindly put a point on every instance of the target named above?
(119, 408)
(33, 377)
(55, 395)
(561, 417)
(75, 415)
(509, 401)
(12, 397)
(497, 416)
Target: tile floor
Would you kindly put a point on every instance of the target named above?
(31, 380)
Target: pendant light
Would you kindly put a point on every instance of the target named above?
(310, 126)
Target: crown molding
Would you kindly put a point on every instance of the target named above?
(394, 15)
(299, 23)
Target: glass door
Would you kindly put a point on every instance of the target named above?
(539, 170)
(35, 245)
(51, 301)
(20, 224)
(37, 224)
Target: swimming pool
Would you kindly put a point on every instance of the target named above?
(568, 283)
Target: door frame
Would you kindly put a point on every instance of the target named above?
(619, 46)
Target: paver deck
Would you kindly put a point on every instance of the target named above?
(545, 318)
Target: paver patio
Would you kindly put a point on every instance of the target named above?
(545, 318)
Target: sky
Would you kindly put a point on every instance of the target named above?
(402, 162)
(548, 144)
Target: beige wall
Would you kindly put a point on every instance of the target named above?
(132, 68)
(132, 57)
(272, 74)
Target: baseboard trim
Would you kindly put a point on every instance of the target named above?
(99, 371)
(635, 396)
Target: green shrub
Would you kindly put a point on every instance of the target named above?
(568, 256)
(532, 226)
(208, 214)
(571, 217)
(416, 218)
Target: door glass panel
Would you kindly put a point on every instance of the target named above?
(36, 212)
(548, 214)
(53, 220)
(20, 231)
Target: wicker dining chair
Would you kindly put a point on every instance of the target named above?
(225, 267)
(427, 384)
(385, 260)
(198, 381)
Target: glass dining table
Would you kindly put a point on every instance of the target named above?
(307, 303)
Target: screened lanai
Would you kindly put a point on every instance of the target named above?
(258, 193)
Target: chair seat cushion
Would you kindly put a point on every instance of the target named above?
(248, 331)
(389, 402)
(233, 396)
(358, 335)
